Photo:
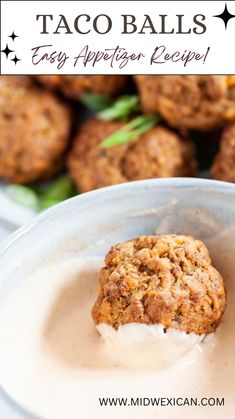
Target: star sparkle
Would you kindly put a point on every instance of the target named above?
(13, 36)
(15, 59)
(225, 16)
(7, 51)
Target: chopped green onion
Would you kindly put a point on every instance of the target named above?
(59, 189)
(23, 195)
(40, 197)
(108, 109)
(56, 191)
(121, 108)
(46, 203)
(131, 131)
(95, 102)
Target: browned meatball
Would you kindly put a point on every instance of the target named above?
(223, 167)
(165, 279)
(75, 86)
(158, 153)
(34, 131)
(190, 102)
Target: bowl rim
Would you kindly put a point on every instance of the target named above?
(160, 183)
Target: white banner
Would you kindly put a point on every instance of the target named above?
(117, 37)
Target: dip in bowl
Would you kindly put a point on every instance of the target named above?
(54, 363)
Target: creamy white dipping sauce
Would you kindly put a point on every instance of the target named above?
(147, 346)
(54, 362)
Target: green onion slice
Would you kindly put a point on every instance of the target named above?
(96, 102)
(59, 189)
(121, 108)
(23, 195)
(40, 197)
(46, 203)
(131, 131)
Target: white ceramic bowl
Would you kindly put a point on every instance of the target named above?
(90, 223)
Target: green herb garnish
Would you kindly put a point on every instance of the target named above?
(96, 102)
(109, 109)
(23, 195)
(43, 196)
(130, 131)
(57, 191)
(121, 108)
(47, 203)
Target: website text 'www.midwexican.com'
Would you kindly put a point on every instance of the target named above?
(160, 401)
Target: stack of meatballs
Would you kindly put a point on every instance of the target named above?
(41, 133)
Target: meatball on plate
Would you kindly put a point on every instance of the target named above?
(76, 86)
(191, 102)
(160, 152)
(223, 167)
(34, 131)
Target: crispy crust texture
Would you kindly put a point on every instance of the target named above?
(35, 129)
(190, 102)
(165, 279)
(75, 86)
(158, 153)
(223, 167)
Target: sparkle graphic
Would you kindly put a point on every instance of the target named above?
(225, 16)
(13, 36)
(7, 51)
(15, 59)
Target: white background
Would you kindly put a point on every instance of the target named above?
(20, 16)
